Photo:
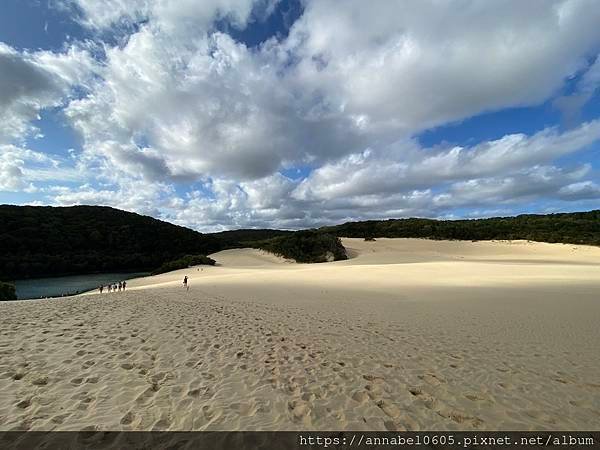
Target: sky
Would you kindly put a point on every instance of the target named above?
(226, 114)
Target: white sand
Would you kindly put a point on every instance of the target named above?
(408, 334)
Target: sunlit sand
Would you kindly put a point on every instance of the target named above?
(405, 335)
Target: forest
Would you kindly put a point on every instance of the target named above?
(48, 241)
(307, 246)
(570, 228)
(184, 263)
(40, 241)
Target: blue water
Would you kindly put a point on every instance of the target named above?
(58, 286)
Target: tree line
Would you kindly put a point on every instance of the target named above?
(570, 228)
(49, 241)
(55, 241)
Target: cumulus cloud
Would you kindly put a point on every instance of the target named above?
(342, 81)
(171, 16)
(585, 89)
(21, 168)
(176, 102)
(407, 166)
(580, 190)
(417, 64)
(30, 82)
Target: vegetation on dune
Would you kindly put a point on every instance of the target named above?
(184, 263)
(305, 247)
(7, 291)
(245, 238)
(47, 241)
(572, 228)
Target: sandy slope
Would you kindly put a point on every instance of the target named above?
(408, 334)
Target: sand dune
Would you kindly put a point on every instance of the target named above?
(407, 334)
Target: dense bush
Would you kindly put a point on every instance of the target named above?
(7, 292)
(305, 247)
(241, 238)
(47, 241)
(184, 263)
(572, 228)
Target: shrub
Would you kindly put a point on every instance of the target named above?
(7, 291)
(184, 263)
(306, 247)
(572, 228)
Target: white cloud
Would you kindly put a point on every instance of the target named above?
(585, 89)
(30, 82)
(177, 102)
(407, 166)
(345, 79)
(580, 190)
(170, 15)
(21, 168)
(416, 64)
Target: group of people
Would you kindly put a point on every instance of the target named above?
(117, 287)
(121, 285)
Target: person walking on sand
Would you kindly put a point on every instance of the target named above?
(185, 283)
(124, 285)
(101, 288)
(108, 287)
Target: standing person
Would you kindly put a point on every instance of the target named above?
(124, 285)
(108, 287)
(185, 283)
(101, 288)
(120, 285)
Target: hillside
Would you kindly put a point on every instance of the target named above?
(50, 241)
(47, 241)
(308, 246)
(240, 238)
(573, 228)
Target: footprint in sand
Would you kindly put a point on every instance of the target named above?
(145, 398)
(40, 381)
(360, 396)
(59, 419)
(389, 408)
(432, 379)
(24, 404)
(299, 410)
(128, 418)
(18, 376)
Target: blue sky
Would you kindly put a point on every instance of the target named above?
(266, 113)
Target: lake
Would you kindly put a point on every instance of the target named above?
(58, 286)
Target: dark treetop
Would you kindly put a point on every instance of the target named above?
(48, 241)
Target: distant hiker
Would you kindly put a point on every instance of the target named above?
(185, 283)
(124, 285)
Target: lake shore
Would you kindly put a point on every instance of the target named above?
(407, 334)
(37, 288)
